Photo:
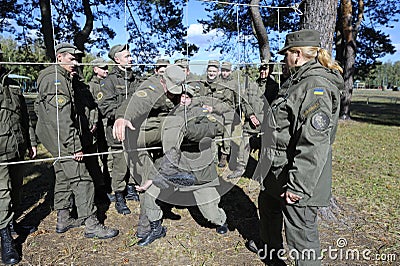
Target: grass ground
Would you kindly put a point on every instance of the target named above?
(366, 182)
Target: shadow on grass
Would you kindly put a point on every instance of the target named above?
(376, 113)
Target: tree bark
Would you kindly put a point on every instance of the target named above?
(47, 28)
(260, 31)
(321, 15)
(350, 47)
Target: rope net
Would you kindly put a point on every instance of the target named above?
(239, 60)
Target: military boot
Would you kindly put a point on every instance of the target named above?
(9, 254)
(65, 221)
(157, 231)
(223, 160)
(143, 228)
(94, 229)
(120, 204)
(131, 193)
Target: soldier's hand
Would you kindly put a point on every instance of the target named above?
(78, 156)
(290, 197)
(254, 120)
(32, 152)
(119, 128)
(145, 186)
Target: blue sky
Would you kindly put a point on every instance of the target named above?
(195, 11)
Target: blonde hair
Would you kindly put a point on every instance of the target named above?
(310, 52)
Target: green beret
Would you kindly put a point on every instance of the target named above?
(300, 39)
(174, 77)
(214, 63)
(226, 65)
(99, 62)
(116, 49)
(67, 48)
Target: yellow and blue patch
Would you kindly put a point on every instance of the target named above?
(57, 82)
(318, 91)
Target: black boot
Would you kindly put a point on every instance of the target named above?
(18, 229)
(9, 254)
(131, 193)
(120, 204)
(222, 229)
(143, 228)
(157, 231)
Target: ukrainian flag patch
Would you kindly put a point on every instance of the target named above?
(318, 91)
(57, 82)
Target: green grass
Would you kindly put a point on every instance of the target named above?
(366, 167)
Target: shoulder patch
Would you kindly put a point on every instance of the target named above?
(100, 96)
(141, 94)
(152, 88)
(57, 82)
(318, 91)
(320, 121)
(211, 118)
(61, 100)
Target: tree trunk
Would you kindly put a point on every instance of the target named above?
(47, 28)
(260, 31)
(83, 35)
(320, 15)
(349, 48)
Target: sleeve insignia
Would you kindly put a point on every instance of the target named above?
(320, 121)
(311, 108)
(318, 91)
(57, 82)
(61, 100)
(141, 94)
(100, 96)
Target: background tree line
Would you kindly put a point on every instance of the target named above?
(352, 29)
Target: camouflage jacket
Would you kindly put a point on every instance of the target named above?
(16, 133)
(299, 132)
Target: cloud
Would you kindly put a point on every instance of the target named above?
(196, 36)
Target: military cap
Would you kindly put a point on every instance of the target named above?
(162, 62)
(226, 65)
(301, 38)
(116, 49)
(174, 78)
(67, 48)
(99, 62)
(182, 62)
(214, 63)
(264, 64)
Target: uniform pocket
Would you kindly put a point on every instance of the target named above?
(7, 139)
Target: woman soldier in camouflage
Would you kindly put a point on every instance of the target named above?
(301, 129)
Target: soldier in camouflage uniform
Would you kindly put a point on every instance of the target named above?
(99, 171)
(61, 127)
(300, 131)
(147, 109)
(220, 99)
(119, 86)
(15, 138)
(255, 104)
